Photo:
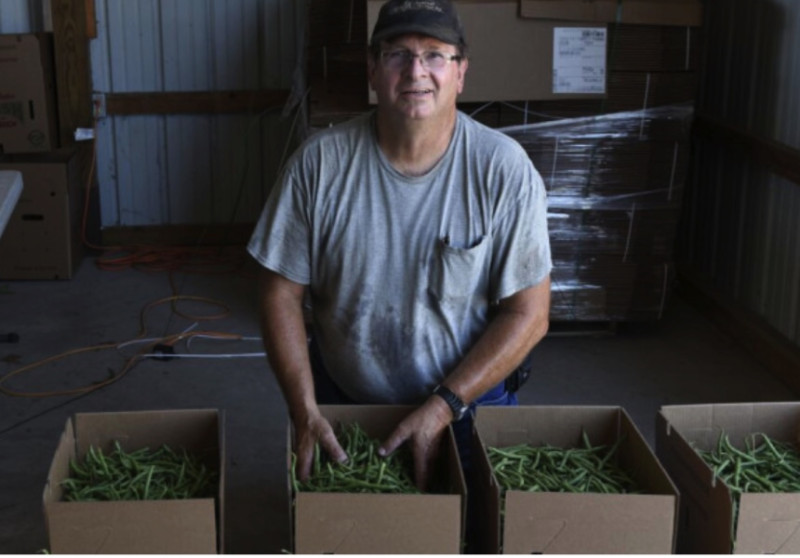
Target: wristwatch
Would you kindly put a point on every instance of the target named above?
(458, 407)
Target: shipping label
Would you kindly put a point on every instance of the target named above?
(579, 60)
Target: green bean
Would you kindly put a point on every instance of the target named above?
(138, 475)
(587, 468)
(364, 471)
(765, 465)
(546, 468)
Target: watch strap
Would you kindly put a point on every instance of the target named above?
(457, 406)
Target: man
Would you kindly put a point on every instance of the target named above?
(420, 237)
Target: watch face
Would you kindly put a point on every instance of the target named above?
(457, 407)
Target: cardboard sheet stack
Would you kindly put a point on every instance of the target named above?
(614, 185)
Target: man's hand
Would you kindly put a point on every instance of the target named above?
(308, 433)
(423, 430)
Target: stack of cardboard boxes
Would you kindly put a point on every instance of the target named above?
(615, 185)
(42, 239)
(545, 72)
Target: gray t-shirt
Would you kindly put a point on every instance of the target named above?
(403, 270)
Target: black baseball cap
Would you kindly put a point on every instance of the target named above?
(434, 18)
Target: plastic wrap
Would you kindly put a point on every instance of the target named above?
(614, 183)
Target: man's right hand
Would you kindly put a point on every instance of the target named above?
(307, 433)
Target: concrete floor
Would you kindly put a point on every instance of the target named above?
(681, 359)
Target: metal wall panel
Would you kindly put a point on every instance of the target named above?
(751, 71)
(741, 226)
(20, 16)
(187, 169)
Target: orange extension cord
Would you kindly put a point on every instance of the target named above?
(145, 258)
(150, 257)
(169, 340)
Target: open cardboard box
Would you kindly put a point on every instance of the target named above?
(572, 523)
(340, 523)
(767, 523)
(192, 526)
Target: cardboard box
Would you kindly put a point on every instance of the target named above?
(339, 523)
(573, 523)
(767, 523)
(10, 190)
(193, 526)
(42, 239)
(647, 12)
(27, 94)
(519, 62)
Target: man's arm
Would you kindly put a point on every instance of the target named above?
(286, 344)
(521, 321)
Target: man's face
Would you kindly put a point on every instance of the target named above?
(413, 88)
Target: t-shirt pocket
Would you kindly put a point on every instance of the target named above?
(457, 273)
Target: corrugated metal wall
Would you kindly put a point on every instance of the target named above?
(20, 16)
(157, 170)
(742, 222)
(186, 169)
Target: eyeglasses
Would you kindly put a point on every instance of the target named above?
(401, 58)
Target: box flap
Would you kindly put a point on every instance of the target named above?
(768, 524)
(557, 425)
(487, 498)
(645, 12)
(139, 527)
(59, 466)
(378, 421)
(194, 430)
(220, 466)
(377, 523)
(702, 424)
(558, 523)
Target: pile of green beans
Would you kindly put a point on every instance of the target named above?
(144, 474)
(548, 468)
(764, 465)
(364, 471)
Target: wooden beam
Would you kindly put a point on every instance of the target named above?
(195, 102)
(778, 157)
(91, 20)
(72, 68)
(776, 352)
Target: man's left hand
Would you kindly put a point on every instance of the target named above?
(423, 430)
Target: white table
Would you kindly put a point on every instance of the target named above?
(10, 190)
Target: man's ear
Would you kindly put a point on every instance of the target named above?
(462, 71)
(371, 67)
